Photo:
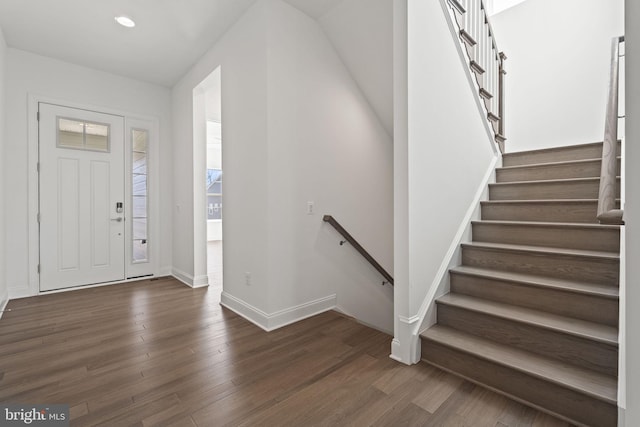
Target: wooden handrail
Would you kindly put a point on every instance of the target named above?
(607, 212)
(358, 247)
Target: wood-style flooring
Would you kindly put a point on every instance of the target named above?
(159, 353)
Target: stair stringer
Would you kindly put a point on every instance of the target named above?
(440, 285)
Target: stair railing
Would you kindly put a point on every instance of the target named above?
(607, 211)
(358, 247)
(485, 60)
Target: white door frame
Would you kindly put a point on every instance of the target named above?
(34, 195)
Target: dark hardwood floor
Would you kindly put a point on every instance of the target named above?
(159, 353)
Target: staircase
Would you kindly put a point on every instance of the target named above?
(533, 309)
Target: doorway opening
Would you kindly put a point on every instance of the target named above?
(208, 121)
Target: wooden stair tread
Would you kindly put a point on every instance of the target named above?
(543, 250)
(549, 181)
(576, 327)
(545, 164)
(583, 225)
(594, 384)
(541, 281)
(545, 201)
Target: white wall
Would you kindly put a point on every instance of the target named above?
(362, 33)
(632, 213)
(4, 292)
(443, 157)
(326, 145)
(296, 128)
(242, 55)
(557, 69)
(33, 75)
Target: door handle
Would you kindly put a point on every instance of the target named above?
(119, 219)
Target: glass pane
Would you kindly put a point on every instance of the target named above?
(215, 188)
(212, 176)
(96, 142)
(139, 179)
(139, 185)
(139, 250)
(139, 228)
(139, 138)
(139, 207)
(139, 163)
(214, 207)
(70, 133)
(96, 136)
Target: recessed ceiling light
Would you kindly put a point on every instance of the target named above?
(125, 21)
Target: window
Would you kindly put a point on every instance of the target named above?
(140, 194)
(82, 135)
(214, 194)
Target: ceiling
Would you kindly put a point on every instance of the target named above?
(169, 37)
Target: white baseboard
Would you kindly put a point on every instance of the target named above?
(272, 321)
(201, 281)
(164, 271)
(22, 292)
(339, 309)
(189, 280)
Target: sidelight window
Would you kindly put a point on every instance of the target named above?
(140, 194)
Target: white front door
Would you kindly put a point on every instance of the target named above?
(82, 212)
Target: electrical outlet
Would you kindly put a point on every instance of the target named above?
(247, 278)
(310, 208)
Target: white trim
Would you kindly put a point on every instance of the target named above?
(185, 278)
(622, 324)
(441, 280)
(409, 320)
(341, 310)
(189, 280)
(21, 292)
(32, 287)
(164, 271)
(473, 84)
(409, 355)
(201, 281)
(96, 285)
(278, 319)
(152, 126)
(396, 348)
(3, 307)
(33, 246)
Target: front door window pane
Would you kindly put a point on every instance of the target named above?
(140, 192)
